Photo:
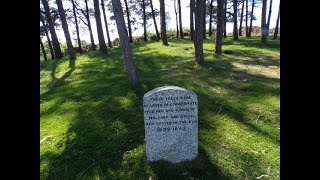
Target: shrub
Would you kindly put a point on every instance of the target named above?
(153, 37)
(116, 42)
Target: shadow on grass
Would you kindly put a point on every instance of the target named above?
(108, 124)
(199, 168)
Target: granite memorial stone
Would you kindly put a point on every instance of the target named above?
(171, 124)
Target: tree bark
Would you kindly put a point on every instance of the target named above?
(241, 19)
(269, 17)
(180, 20)
(47, 35)
(210, 18)
(93, 46)
(154, 20)
(43, 51)
(55, 42)
(251, 18)
(72, 54)
(204, 20)
(163, 23)
(102, 42)
(277, 25)
(198, 38)
(124, 41)
(175, 11)
(235, 20)
(219, 33)
(129, 22)
(264, 30)
(77, 27)
(106, 23)
(225, 19)
(144, 22)
(247, 29)
(192, 3)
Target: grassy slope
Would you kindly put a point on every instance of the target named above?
(94, 120)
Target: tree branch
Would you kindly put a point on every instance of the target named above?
(83, 21)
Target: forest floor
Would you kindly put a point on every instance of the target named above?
(91, 120)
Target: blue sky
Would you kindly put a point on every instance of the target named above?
(84, 35)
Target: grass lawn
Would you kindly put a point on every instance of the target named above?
(91, 120)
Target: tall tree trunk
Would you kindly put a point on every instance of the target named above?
(180, 20)
(198, 38)
(93, 46)
(72, 54)
(264, 30)
(154, 20)
(144, 22)
(210, 18)
(225, 19)
(47, 35)
(269, 17)
(235, 19)
(163, 23)
(129, 22)
(106, 23)
(277, 25)
(102, 42)
(55, 42)
(192, 3)
(247, 28)
(77, 27)
(204, 20)
(220, 17)
(175, 11)
(241, 19)
(124, 41)
(43, 51)
(251, 18)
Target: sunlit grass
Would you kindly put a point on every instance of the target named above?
(92, 127)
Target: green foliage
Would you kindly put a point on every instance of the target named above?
(116, 42)
(153, 37)
(91, 120)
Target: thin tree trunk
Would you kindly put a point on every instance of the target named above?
(144, 22)
(264, 31)
(192, 3)
(219, 33)
(43, 51)
(198, 38)
(55, 42)
(180, 20)
(154, 20)
(277, 25)
(251, 18)
(47, 35)
(175, 11)
(102, 42)
(93, 46)
(204, 20)
(210, 18)
(72, 54)
(77, 27)
(235, 20)
(106, 23)
(225, 19)
(269, 16)
(125, 43)
(241, 19)
(247, 29)
(163, 23)
(129, 22)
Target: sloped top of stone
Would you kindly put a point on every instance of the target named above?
(166, 88)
